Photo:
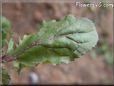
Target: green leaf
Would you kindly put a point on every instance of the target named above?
(40, 54)
(58, 41)
(10, 45)
(23, 44)
(5, 27)
(79, 35)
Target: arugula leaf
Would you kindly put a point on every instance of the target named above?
(58, 42)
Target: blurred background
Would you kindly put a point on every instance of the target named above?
(96, 67)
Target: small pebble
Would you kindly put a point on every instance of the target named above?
(34, 79)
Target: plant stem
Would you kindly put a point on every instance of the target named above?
(5, 58)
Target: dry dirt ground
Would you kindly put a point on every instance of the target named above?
(26, 17)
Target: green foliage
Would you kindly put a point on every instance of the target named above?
(57, 42)
(106, 52)
(5, 34)
(5, 77)
(5, 30)
(10, 45)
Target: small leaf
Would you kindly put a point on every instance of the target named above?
(10, 46)
(5, 27)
